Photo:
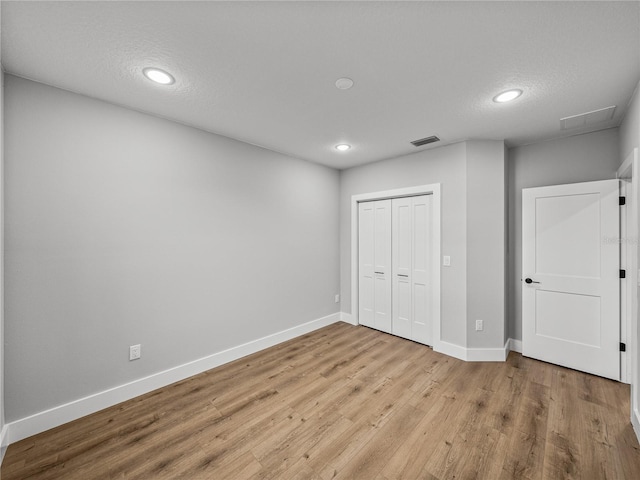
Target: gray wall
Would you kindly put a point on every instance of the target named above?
(486, 192)
(582, 158)
(630, 127)
(445, 165)
(123, 228)
(472, 178)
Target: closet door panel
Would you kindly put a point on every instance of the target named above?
(382, 236)
(401, 260)
(366, 286)
(382, 265)
(421, 268)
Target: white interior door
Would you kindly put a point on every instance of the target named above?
(411, 241)
(374, 259)
(571, 284)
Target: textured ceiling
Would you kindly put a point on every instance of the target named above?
(264, 72)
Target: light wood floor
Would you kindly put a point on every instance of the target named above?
(348, 402)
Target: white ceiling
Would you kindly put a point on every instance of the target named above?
(264, 72)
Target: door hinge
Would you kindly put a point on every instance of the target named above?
(623, 347)
(622, 201)
(623, 274)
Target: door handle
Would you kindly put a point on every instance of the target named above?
(401, 275)
(528, 280)
(379, 273)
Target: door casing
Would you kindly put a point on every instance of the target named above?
(629, 170)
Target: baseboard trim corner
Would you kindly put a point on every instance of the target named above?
(348, 318)
(472, 354)
(635, 422)
(450, 349)
(515, 345)
(487, 354)
(4, 442)
(59, 415)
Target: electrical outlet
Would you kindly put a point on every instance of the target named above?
(337, 298)
(135, 352)
(479, 325)
(446, 261)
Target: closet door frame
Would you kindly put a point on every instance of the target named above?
(431, 189)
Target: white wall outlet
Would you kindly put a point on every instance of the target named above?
(337, 298)
(135, 352)
(446, 261)
(479, 325)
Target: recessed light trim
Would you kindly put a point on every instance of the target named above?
(507, 96)
(344, 83)
(343, 147)
(158, 76)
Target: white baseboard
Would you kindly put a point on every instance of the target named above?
(488, 354)
(453, 350)
(472, 354)
(4, 441)
(450, 349)
(42, 421)
(515, 345)
(348, 318)
(635, 422)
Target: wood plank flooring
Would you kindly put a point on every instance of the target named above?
(349, 402)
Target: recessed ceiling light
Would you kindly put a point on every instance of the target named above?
(344, 83)
(507, 96)
(158, 76)
(343, 147)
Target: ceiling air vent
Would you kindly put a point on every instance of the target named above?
(586, 119)
(425, 141)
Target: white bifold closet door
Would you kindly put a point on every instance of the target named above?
(411, 244)
(394, 245)
(374, 234)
